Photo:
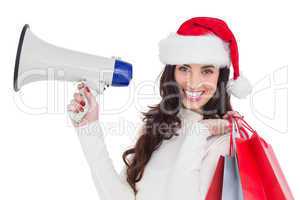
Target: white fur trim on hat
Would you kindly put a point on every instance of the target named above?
(240, 88)
(204, 49)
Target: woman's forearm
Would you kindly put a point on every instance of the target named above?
(184, 179)
(216, 126)
(107, 181)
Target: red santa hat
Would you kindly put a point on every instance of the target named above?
(206, 40)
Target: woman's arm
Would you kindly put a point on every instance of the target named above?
(216, 126)
(184, 178)
(221, 126)
(108, 182)
(217, 146)
(196, 162)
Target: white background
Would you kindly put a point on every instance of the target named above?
(40, 156)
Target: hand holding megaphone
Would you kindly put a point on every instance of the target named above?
(84, 108)
(94, 89)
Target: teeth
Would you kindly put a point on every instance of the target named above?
(194, 94)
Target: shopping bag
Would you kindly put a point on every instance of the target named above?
(260, 172)
(252, 185)
(215, 190)
(225, 183)
(231, 181)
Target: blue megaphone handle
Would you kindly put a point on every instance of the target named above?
(122, 74)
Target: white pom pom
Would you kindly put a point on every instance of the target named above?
(240, 88)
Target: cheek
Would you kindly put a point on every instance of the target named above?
(180, 79)
(211, 83)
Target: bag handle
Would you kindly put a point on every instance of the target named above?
(231, 137)
(233, 126)
(242, 132)
(245, 125)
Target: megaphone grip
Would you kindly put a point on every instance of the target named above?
(77, 117)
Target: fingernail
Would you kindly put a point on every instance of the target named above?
(81, 109)
(82, 103)
(87, 89)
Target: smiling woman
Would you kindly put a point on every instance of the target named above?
(197, 84)
(177, 150)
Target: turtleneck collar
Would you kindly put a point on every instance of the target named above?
(189, 115)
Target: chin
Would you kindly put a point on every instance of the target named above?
(192, 105)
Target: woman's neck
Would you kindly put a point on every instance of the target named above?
(199, 111)
(190, 114)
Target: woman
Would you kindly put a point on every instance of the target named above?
(182, 136)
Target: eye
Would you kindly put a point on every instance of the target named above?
(183, 68)
(207, 71)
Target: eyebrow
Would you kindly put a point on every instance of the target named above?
(203, 67)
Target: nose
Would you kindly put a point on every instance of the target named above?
(194, 81)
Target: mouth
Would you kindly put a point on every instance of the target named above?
(193, 95)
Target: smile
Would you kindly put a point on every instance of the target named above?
(193, 95)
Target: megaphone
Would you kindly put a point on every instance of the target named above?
(36, 58)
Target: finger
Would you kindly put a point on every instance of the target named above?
(87, 92)
(236, 113)
(79, 98)
(74, 108)
(77, 106)
(71, 108)
(229, 113)
(80, 85)
(226, 115)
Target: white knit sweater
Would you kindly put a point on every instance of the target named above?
(180, 169)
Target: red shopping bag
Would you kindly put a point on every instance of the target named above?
(215, 190)
(260, 172)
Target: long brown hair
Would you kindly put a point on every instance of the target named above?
(161, 121)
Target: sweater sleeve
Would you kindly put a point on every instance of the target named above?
(196, 163)
(216, 146)
(184, 179)
(109, 184)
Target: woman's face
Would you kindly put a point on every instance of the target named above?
(197, 83)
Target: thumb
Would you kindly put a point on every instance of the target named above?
(87, 93)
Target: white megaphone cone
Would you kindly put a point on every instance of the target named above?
(36, 59)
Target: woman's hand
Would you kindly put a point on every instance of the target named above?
(235, 114)
(217, 126)
(78, 103)
(221, 126)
